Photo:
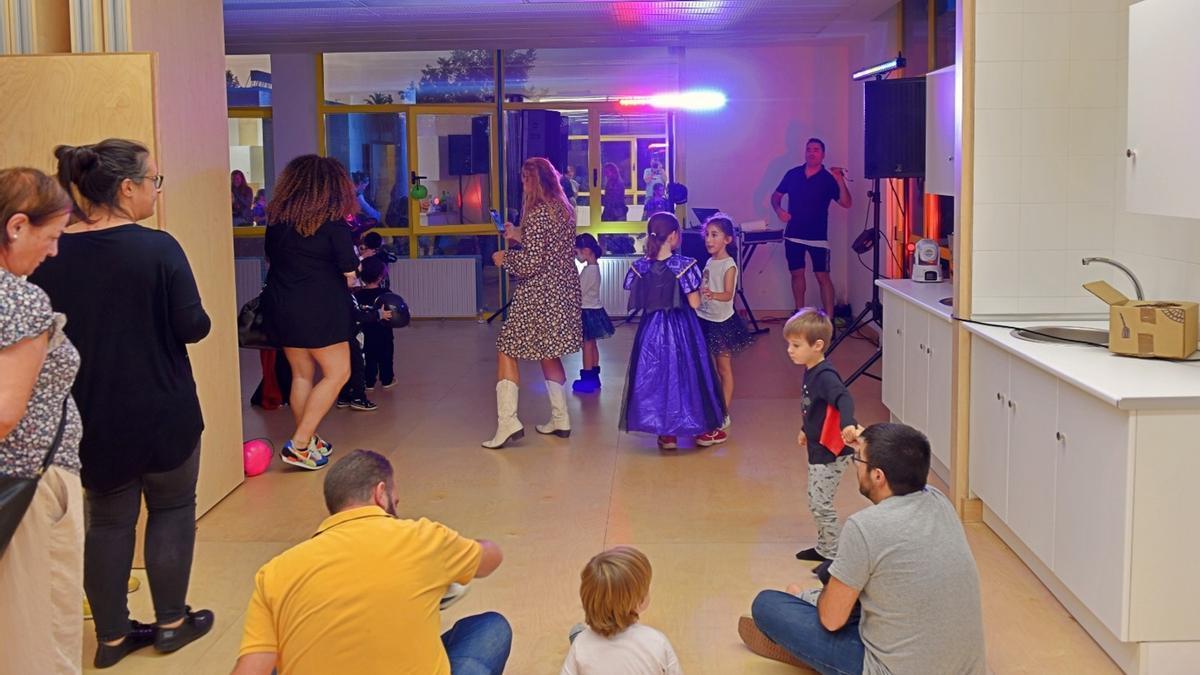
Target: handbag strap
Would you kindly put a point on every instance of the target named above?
(62, 425)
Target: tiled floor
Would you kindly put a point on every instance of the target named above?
(719, 524)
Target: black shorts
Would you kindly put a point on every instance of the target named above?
(795, 256)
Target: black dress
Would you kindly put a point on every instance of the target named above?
(306, 302)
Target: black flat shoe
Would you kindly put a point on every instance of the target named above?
(139, 635)
(811, 555)
(195, 626)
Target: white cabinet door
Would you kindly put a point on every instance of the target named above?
(916, 367)
(1033, 425)
(939, 132)
(941, 368)
(1091, 500)
(1163, 97)
(989, 425)
(892, 342)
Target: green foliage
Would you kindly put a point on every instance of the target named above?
(466, 76)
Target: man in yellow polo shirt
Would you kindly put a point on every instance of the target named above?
(362, 595)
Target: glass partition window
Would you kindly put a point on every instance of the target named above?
(251, 166)
(374, 149)
(248, 81)
(378, 78)
(454, 161)
(582, 74)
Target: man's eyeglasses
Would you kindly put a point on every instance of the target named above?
(158, 180)
(858, 459)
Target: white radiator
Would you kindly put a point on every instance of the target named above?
(440, 287)
(613, 295)
(247, 279)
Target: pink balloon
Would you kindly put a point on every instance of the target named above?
(256, 456)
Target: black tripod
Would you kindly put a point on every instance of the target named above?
(873, 312)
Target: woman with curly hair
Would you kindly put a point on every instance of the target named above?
(307, 300)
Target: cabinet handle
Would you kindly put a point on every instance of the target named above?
(929, 350)
(1059, 436)
(921, 347)
(999, 397)
(1012, 405)
(1130, 153)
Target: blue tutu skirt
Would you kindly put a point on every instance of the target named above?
(596, 324)
(671, 388)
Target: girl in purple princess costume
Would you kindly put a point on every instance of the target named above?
(671, 389)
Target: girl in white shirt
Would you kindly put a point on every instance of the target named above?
(723, 328)
(596, 324)
(615, 590)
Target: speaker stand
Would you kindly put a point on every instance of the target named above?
(873, 312)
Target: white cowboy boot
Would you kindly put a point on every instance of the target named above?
(508, 427)
(559, 424)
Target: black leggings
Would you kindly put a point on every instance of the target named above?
(170, 540)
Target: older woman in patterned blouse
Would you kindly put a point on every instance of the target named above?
(544, 321)
(41, 571)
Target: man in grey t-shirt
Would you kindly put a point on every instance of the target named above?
(905, 561)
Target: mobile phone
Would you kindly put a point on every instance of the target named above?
(498, 221)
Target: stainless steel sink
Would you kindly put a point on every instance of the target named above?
(1063, 335)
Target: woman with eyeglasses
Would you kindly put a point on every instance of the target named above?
(132, 308)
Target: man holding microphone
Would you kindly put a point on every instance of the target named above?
(809, 189)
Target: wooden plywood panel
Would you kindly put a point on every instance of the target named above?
(194, 155)
(73, 99)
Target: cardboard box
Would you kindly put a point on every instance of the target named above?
(1148, 328)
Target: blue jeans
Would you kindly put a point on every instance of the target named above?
(478, 645)
(794, 625)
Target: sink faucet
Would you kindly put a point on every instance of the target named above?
(1137, 285)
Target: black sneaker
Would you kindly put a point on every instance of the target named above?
(389, 385)
(342, 402)
(370, 387)
(810, 554)
(363, 403)
(139, 635)
(195, 626)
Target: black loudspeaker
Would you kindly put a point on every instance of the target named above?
(458, 155)
(480, 145)
(894, 111)
(544, 136)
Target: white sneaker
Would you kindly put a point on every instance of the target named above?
(725, 425)
(453, 594)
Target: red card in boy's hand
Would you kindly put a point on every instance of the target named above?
(831, 431)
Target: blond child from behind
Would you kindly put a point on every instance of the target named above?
(615, 590)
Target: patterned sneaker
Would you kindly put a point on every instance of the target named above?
(322, 446)
(303, 459)
(342, 402)
(711, 438)
(667, 443)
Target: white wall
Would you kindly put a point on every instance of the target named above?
(779, 96)
(294, 106)
(1049, 176)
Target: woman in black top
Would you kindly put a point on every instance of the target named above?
(132, 308)
(307, 299)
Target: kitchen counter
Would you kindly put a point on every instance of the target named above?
(1126, 382)
(924, 294)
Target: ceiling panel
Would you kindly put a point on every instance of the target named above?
(262, 26)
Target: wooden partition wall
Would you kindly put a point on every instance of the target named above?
(84, 98)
